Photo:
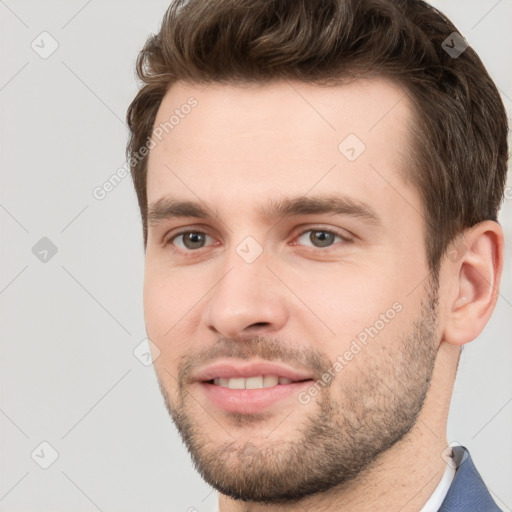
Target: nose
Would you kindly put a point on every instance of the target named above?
(247, 300)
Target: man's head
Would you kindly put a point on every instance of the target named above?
(310, 164)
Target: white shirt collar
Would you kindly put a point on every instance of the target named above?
(435, 501)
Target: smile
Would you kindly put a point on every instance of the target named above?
(256, 382)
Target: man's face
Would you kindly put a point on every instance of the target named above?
(333, 296)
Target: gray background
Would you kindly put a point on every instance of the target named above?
(70, 324)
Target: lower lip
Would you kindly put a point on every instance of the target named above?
(248, 401)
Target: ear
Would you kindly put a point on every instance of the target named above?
(473, 266)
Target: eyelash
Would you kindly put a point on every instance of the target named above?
(190, 252)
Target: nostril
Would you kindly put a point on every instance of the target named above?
(259, 324)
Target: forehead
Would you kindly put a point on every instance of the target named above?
(242, 144)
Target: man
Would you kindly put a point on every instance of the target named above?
(319, 183)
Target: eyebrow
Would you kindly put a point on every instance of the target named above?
(167, 208)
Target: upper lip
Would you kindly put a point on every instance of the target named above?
(229, 369)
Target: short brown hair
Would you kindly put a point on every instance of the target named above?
(459, 141)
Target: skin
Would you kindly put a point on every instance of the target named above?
(237, 149)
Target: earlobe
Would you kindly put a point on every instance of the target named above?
(476, 276)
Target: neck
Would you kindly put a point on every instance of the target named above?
(404, 476)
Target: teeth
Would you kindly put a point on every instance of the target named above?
(253, 382)
(256, 382)
(270, 380)
(236, 383)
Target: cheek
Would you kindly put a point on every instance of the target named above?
(165, 307)
(347, 298)
(372, 354)
(160, 317)
(173, 299)
(156, 306)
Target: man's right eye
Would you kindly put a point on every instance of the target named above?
(189, 240)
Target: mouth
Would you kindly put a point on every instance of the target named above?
(251, 387)
(254, 382)
(235, 373)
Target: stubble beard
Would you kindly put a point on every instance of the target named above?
(336, 441)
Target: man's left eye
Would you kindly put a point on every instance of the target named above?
(320, 237)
